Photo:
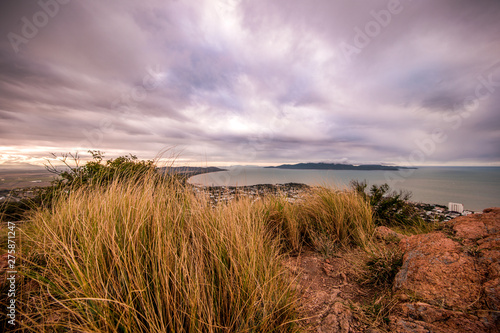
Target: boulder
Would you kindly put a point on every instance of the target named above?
(476, 226)
(437, 270)
(388, 235)
(481, 233)
(423, 317)
(489, 257)
(338, 320)
(454, 276)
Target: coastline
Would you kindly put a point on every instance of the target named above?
(29, 180)
(429, 212)
(476, 188)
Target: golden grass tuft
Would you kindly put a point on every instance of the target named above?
(342, 216)
(149, 255)
(324, 218)
(153, 257)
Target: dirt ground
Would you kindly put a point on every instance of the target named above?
(332, 297)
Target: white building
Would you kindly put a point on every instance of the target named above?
(456, 207)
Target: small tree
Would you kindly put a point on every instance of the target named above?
(73, 175)
(390, 208)
(95, 172)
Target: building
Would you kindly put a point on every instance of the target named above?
(456, 207)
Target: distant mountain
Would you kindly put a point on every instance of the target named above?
(336, 166)
(20, 166)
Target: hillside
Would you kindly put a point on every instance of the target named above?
(150, 254)
(445, 281)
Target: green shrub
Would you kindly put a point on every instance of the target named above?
(73, 176)
(14, 210)
(390, 208)
(97, 172)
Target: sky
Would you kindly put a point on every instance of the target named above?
(252, 82)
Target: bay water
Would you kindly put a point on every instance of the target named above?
(476, 188)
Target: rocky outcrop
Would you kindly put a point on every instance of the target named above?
(436, 269)
(423, 317)
(449, 282)
(452, 277)
(388, 235)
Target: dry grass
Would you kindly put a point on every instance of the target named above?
(284, 223)
(344, 217)
(151, 256)
(325, 218)
(373, 271)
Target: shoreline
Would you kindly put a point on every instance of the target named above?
(292, 190)
(430, 212)
(475, 188)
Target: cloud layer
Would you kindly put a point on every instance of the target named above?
(261, 82)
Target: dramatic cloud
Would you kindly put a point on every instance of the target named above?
(252, 82)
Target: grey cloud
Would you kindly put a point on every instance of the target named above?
(266, 77)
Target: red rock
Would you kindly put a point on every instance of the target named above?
(489, 258)
(338, 320)
(422, 317)
(387, 234)
(484, 231)
(456, 277)
(477, 225)
(492, 294)
(436, 270)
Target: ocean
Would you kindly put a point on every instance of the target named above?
(476, 188)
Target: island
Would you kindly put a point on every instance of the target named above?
(338, 166)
